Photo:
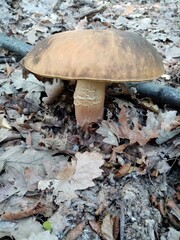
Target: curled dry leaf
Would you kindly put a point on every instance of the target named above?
(126, 168)
(39, 208)
(175, 210)
(74, 233)
(3, 122)
(53, 90)
(95, 226)
(148, 104)
(168, 120)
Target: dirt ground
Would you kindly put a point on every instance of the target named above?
(116, 179)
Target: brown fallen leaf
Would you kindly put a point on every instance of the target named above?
(39, 208)
(123, 170)
(120, 148)
(116, 226)
(136, 134)
(154, 201)
(173, 207)
(9, 69)
(74, 233)
(29, 140)
(95, 226)
(177, 194)
(148, 104)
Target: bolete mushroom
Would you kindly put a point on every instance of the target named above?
(94, 58)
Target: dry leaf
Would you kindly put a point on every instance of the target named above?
(66, 173)
(95, 226)
(74, 233)
(138, 134)
(78, 175)
(167, 120)
(148, 104)
(87, 168)
(110, 138)
(56, 143)
(9, 69)
(107, 228)
(173, 234)
(31, 36)
(173, 208)
(142, 136)
(123, 170)
(3, 122)
(82, 24)
(59, 219)
(164, 136)
(32, 84)
(53, 90)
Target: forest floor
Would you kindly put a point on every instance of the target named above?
(119, 179)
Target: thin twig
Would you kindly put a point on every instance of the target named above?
(122, 221)
(92, 12)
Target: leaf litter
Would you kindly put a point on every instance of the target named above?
(84, 180)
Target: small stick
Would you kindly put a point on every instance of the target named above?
(93, 12)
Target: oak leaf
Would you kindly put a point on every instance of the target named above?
(77, 175)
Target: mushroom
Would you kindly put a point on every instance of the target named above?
(94, 58)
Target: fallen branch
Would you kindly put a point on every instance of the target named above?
(160, 93)
(14, 45)
(92, 12)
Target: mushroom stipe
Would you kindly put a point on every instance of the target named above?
(94, 58)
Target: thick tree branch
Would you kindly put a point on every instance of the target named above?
(160, 93)
(14, 45)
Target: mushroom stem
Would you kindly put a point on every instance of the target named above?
(89, 101)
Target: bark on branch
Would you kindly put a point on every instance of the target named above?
(14, 45)
(162, 94)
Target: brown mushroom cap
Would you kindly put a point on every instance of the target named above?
(97, 55)
(94, 57)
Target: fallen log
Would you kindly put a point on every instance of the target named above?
(160, 93)
(15, 45)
